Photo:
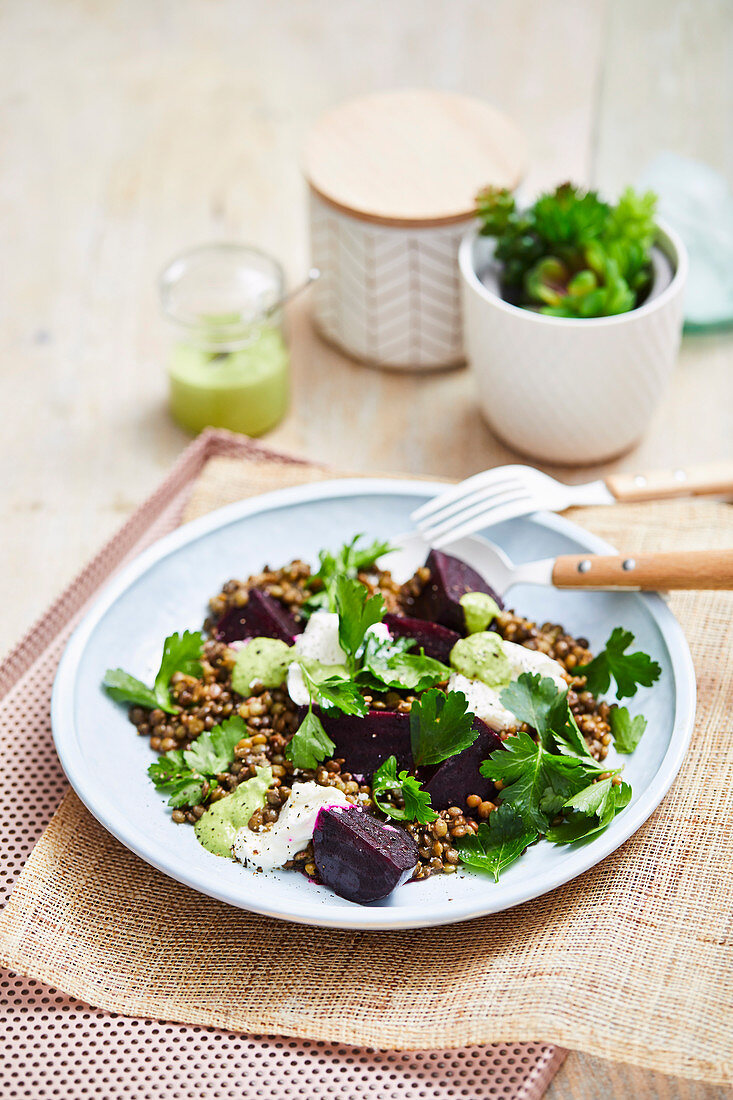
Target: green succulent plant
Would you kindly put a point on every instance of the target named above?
(571, 254)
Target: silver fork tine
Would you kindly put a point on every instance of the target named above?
(456, 492)
(432, 531)
(498, 515)
(431, 528)
(485, 495)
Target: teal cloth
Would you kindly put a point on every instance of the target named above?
(698, 203)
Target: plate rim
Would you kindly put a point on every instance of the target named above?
(350, 915)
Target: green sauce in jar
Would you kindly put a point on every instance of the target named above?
(245, 390)
(229, 366)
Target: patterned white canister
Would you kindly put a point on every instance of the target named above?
(393, 179)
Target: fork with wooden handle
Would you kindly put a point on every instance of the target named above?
(687, 570)
(507, 492)
(684, 570)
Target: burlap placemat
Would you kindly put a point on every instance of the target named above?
(631, 961)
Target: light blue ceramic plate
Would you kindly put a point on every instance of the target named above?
(167, 589)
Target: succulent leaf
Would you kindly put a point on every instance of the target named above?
(572, 254)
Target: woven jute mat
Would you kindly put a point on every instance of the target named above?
(632, 961)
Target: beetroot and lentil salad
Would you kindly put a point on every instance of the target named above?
(364, 732)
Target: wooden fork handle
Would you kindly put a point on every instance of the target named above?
(693, 569)
(712, 479)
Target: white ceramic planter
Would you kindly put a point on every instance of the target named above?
(563, 390)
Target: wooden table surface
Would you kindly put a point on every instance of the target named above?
(132, 131)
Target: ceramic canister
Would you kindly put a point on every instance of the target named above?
(393, 179)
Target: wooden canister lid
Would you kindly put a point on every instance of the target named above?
(412, 157)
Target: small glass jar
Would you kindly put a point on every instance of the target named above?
(229, 365)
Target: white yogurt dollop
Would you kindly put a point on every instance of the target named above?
(320, 639)
(320, 642)
(522, 660)
(485, 701)
(291, 832)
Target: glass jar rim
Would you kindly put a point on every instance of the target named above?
(175, 269)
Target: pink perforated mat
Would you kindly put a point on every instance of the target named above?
(57, 1047)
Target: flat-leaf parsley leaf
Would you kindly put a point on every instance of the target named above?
(416, 800)
(629, 670)
(310, 744)
(357, 611)
(172, 776)
(181, 653)
(539, 776)
(350, 560)
(387, 662)
(182, 773)
(124, 688)
(532, 700)
(213, 752)
(627, 731)
(590, 812)
(440, 726)
(538, 702)
(332, 692)
(535, 781)
(498, 842)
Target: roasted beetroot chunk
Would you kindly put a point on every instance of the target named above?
(358, 858)
(365, 743)
(450, 579)
(450, 783)
(436, 640)
(261, 617)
